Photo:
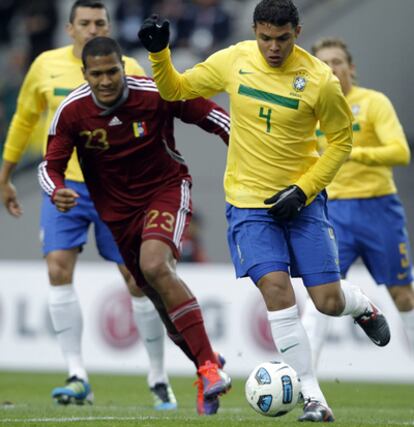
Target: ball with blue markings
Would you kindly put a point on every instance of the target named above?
(272, 389)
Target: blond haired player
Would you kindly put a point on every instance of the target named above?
(364, 207)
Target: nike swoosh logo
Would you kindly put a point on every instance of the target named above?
(153, 339)
(284, 195)
(241, 71)
(54, 76)
(63, 330)
(284, 350)
(402, 276)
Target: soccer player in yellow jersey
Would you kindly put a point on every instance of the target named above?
(275, 179)
(367, 215)
(52, 76)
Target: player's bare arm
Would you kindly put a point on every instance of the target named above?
(65, 199)
(8, 190)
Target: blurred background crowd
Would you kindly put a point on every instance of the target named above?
(198, 28)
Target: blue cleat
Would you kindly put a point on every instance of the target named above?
(164, 398)
(76, 391)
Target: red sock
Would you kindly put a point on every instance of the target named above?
(188, 320)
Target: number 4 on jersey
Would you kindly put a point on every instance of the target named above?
(266, 116)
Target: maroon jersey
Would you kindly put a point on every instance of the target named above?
(127, 151)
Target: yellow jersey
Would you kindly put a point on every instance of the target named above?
(379, 144)
(51, 77)
(274, 112)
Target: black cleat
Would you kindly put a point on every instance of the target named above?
(375, 325)
(314, 411)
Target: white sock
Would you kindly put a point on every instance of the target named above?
(355, 301)
(66, 318)
(152, 332)
(317, 327)
(293, 344)
(408, 320)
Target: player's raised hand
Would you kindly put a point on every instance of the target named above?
(153, 36)
(65, 199)
(286, 203)
(9, 197)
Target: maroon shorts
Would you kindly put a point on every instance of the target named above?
(165, 218)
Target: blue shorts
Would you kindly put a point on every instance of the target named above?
(60, 231)
(305, 247)
(375, 230)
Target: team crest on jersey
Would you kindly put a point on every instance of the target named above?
(356, 108)
(299, 83)
(140, 129)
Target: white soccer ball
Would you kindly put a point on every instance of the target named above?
(273, 389)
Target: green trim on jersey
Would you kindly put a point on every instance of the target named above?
(272, 139)
(356, 127)
(269, 97)
(61, 91)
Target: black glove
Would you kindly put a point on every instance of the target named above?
(286, 203)
(153, 36)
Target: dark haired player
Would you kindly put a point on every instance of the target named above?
(275, 179)
(123, 133)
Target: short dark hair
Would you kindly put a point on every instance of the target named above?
(276, 12)
(100, 46)
(332, 42)
(93, 4)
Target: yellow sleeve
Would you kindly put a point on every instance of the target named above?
(205, 79)
(30, 105)
(394, 150)
(132, 67)
(335, 119)
(332, 109)
(321, 142)
(324, 170)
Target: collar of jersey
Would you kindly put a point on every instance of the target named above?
(352, 92)
(109, 110)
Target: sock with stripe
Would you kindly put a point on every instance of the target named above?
(172, 332)
(189, 322)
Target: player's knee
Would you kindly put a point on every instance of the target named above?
(154, 269)
(134, 289)
(59, 273)
(132, 286)
(277, 293)
(403, 297)
(61, 264)
(331, 305)
(59, 276)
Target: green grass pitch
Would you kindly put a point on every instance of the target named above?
(122, 400)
